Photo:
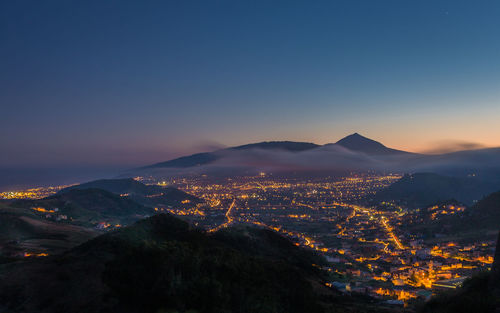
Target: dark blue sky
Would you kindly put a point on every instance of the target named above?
(128, 83)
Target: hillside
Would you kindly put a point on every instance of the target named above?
(204, 158)
(487, 211)
(161, 264)
(148, 195)
(87, 207)
(291, 146)
(424, 189)
(57, 223)
(23, 232)
(484, 216)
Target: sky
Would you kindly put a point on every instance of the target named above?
(96, 84)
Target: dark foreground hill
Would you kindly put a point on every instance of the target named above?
(424, 189)
(161, 264)
(149, 195)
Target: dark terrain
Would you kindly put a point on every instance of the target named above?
(161, 264)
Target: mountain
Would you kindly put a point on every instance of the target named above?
(199, 159)
(352, 153)
(161, 264)
(290, 146)
(358, 143)
(187, 161)
(354, 142)
(148, 195)
(425, 189)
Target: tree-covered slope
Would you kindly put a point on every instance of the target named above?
(161, 264)
(424, 189)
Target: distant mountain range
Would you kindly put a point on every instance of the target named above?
(354, 142)
(352, 153)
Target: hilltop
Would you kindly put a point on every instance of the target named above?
(356, 142)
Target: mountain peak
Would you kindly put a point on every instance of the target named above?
(356, 141)
(359, 143)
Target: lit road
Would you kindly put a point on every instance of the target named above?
(229, 219)
(387, 227)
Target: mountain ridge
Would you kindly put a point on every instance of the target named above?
(354, 142)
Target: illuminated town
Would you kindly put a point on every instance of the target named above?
(367, 247)
(32, 193)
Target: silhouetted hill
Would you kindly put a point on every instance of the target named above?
(291, 146)
(149, 195)
(485, 214)
(117, 186)
(424, 189)
(356, 142)
(209, 157)
(187, 161)
(89, 206)
(161, 264)
(488, 207)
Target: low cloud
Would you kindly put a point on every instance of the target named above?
(208, 145)
(331, 159)
(448, 146)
